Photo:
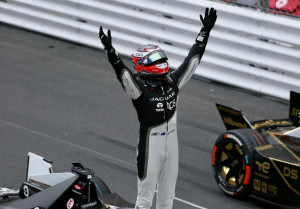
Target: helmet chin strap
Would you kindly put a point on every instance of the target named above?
(160, 78)
(153, 77)
(155, 82)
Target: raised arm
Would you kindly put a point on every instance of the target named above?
(190, 63)
(131, 86)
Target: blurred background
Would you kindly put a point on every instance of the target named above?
(255, 44)
(280, 7)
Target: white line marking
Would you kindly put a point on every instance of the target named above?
(68, 143)
(189, 203)
(88, 150)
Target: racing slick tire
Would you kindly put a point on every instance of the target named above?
(232, 160)
(101, 186)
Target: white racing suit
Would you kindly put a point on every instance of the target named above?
(155, 103)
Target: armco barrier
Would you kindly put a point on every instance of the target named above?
(247, 48)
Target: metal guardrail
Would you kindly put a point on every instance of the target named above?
(247, 49)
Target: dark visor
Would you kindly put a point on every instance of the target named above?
(153, 57)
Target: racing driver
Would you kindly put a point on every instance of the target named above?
(154, 92)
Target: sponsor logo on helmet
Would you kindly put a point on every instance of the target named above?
(138, 54)
(162, 65)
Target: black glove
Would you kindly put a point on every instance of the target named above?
(209, 19)
(105, 40)
(113, 56)
(208, 23)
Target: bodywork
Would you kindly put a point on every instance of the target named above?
(44, 189)
(276, 169)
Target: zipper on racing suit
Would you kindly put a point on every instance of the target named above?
(165, 109)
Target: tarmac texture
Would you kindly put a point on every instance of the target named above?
(63, 101)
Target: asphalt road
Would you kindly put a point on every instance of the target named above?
(63, 101)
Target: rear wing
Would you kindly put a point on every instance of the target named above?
(294, 109)
(232, 118)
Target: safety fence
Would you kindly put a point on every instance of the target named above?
(247, 48)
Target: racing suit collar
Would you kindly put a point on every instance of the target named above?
(153, 83)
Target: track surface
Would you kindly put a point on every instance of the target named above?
(63, 101)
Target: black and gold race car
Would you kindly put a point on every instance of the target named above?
(260, 158)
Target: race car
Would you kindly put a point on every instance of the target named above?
(260, 158)
(44, 189)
